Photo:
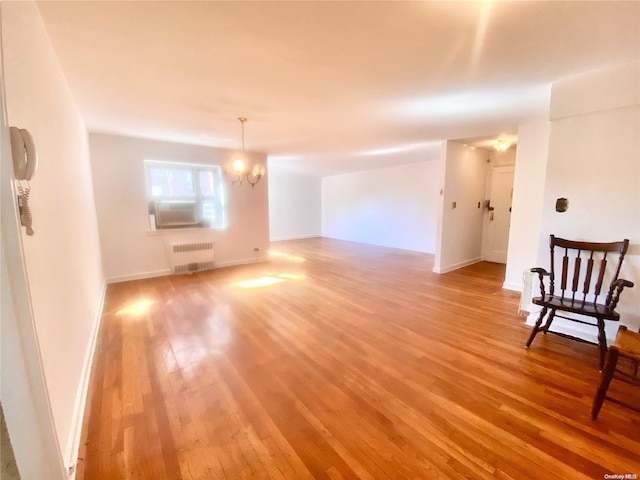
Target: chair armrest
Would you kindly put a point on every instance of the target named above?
(624, 283)
(540, 271)
(541, 274)
(615, 289)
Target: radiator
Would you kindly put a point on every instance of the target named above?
(191, 257)
(528, 279)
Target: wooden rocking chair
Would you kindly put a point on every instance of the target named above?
(580, 288)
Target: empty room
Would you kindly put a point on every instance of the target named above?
(320, 240)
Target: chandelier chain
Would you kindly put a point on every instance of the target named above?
(242, 120)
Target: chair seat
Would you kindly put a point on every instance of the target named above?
(577, 306)
(628, 344)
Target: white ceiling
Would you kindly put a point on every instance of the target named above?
(336, 85)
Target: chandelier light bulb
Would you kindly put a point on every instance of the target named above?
(238, 166)
(502, 145)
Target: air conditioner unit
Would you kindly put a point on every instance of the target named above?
(176, 213)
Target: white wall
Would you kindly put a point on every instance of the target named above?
(528, 192)
(25, 400)
(294, 204)
(463, 177)
(393, 207)
(508, 157)
(63, 258)
(594, 161)
(129, 249)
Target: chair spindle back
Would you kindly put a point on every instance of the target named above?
(573, 276)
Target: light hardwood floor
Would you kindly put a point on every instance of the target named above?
(357, 362)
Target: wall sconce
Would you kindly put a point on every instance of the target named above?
(502, 145)
(239, 171)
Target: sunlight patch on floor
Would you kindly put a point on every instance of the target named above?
(269, 279)
(285, 256)
(135, 309)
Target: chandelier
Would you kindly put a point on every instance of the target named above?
(502, 145)
(239, 171)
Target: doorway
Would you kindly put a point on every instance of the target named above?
(497, 218)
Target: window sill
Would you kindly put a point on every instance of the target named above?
(181, 230)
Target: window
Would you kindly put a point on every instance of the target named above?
(184, 195)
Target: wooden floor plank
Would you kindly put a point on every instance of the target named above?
(357, 362)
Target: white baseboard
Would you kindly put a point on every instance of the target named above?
(456, 266)
(73, 446)
(294, 237)
(516, 287)
(162, 273)
(244, 261)
(139, 276)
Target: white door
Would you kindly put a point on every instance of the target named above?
(498, 215)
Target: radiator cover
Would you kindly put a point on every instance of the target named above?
(191, 257)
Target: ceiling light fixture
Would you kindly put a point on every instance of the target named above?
(239, 171)
(502, 145)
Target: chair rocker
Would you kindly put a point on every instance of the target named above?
(580, 288)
